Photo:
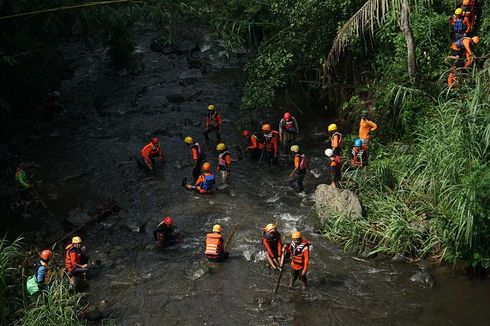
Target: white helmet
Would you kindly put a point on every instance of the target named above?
(329, 152)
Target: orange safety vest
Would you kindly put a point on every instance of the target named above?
(214, 244)
(70, 263)
(298, 254)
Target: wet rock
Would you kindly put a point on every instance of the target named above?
(159, 46)
(77, 217)
(92, 313)
(100, 103)
(332, 201)
(175, 97)
(249, 255)
(424, 265)
(102, 306)
(186, 46)
(191, 74)
(423, 278)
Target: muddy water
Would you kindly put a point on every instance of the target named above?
(89, 156)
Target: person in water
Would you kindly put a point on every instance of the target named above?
(271, 239)
(205, 183)
(164, 234)
(299, 251)
(215, 249)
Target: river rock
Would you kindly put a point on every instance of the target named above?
(423, 278)
(175, 97)
(77, 217)
(186, 46)
(333, 201)
(92, 313)
(191, 74)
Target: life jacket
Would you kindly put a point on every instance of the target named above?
(272, 239)
(213, 247)
(270, 139)
(339, 142)
(459, 26)
(297, 252)
(303, 164)
(214, 119)
(208, 183)
(357, 156)
(68, 262)
(200, 154)
(290, 126)
(222, 159)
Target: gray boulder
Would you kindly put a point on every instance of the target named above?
(191, 74)
(332, 201)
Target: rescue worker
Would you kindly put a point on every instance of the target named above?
(297, 176)
(198, 156)
(214, 123)
(224, 162)
(463, 46)
(271, 147)
(205, 182)
(151, 151)
(42, 277)
(23, 186)
(75, 259)
(164, 234)
(359, 154)
(460, 25)
(254, 146)
(288, 129)
(299, 251)
(366, 127)
(334, 167)
(215, 250)
(469, 11)
(335, 140)
(271, 239)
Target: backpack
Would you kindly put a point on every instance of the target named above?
(208, 183)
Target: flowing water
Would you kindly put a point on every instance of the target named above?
(90, 154)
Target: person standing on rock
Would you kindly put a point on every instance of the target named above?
(335, 139)
(271, 239)
(224, 163)
(75, 259)
(334, 167)
(297, 176)
(299, 252)
(366, 127)
(198, 156)
(151, 151)
(288, 129)
(214, 123)
(215, 250)
(164, 233)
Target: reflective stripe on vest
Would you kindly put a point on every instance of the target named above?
(213, 119)
(212, 244)
(339, 143)
(198, 148)
(303, 164)
(290, 126)
(297, 252)
(221, 158)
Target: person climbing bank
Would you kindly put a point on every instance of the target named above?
(205, 182)
(299, 251)
(197, 155)
(359, 154)
(215, 250)
(23, 186)
(366, 127)
(75, 258)
(214, 122)
(224, 162)
(40, 280)
(164, 234)
(297, 176)
(151, 151)
(271, 239)
(334, 167)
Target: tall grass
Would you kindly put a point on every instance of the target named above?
(432, 199)
(10, 254)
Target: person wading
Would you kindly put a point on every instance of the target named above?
(198, 156)
(334, 167)
(271, 149)
(271, 239)
(75, 259)
(288, 129)
(366, 127)
(299, 251)
(335, 139)
(205, 182)
(253, 145)
(359, 154)
(164, 234)
(214, 123)
(224, 162)
(151, 151)
(215, 245)
(297, 176)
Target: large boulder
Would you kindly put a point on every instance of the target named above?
(332, 201)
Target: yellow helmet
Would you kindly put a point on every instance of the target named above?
(76, 240)
(332, 127)
(458, 11)
(475, 39)
(266, 127)
(296, 235)
(294, 148)
(188, 140)
(217, 228)
(220, 147)
(269, 227)
(211, 107)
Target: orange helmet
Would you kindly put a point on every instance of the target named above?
(46, 254)
(266, 127)
(296, 235)
(206, 167)
(466, 2)
(475, 39)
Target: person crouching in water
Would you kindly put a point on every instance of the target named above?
(215, 249)
(205, 183)
(271, 239)
(164, 234)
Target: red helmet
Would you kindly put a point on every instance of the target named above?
(245, 133)
(287, 116)
(168, 220)
(155, 141)
(46, 254)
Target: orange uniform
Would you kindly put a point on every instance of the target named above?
(214, 245)
(300, 255)
(72, 257)
(272, 243)
(149, 151)
(463, 44)
(254, 144)
(365, 127)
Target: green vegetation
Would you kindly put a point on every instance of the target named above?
(56, 306)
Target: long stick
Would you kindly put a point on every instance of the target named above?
(260, 160)
(41, 201)
(230, 237)
(279, 279)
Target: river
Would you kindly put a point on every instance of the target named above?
(89, 156)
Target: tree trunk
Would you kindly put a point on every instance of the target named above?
(405, 27)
